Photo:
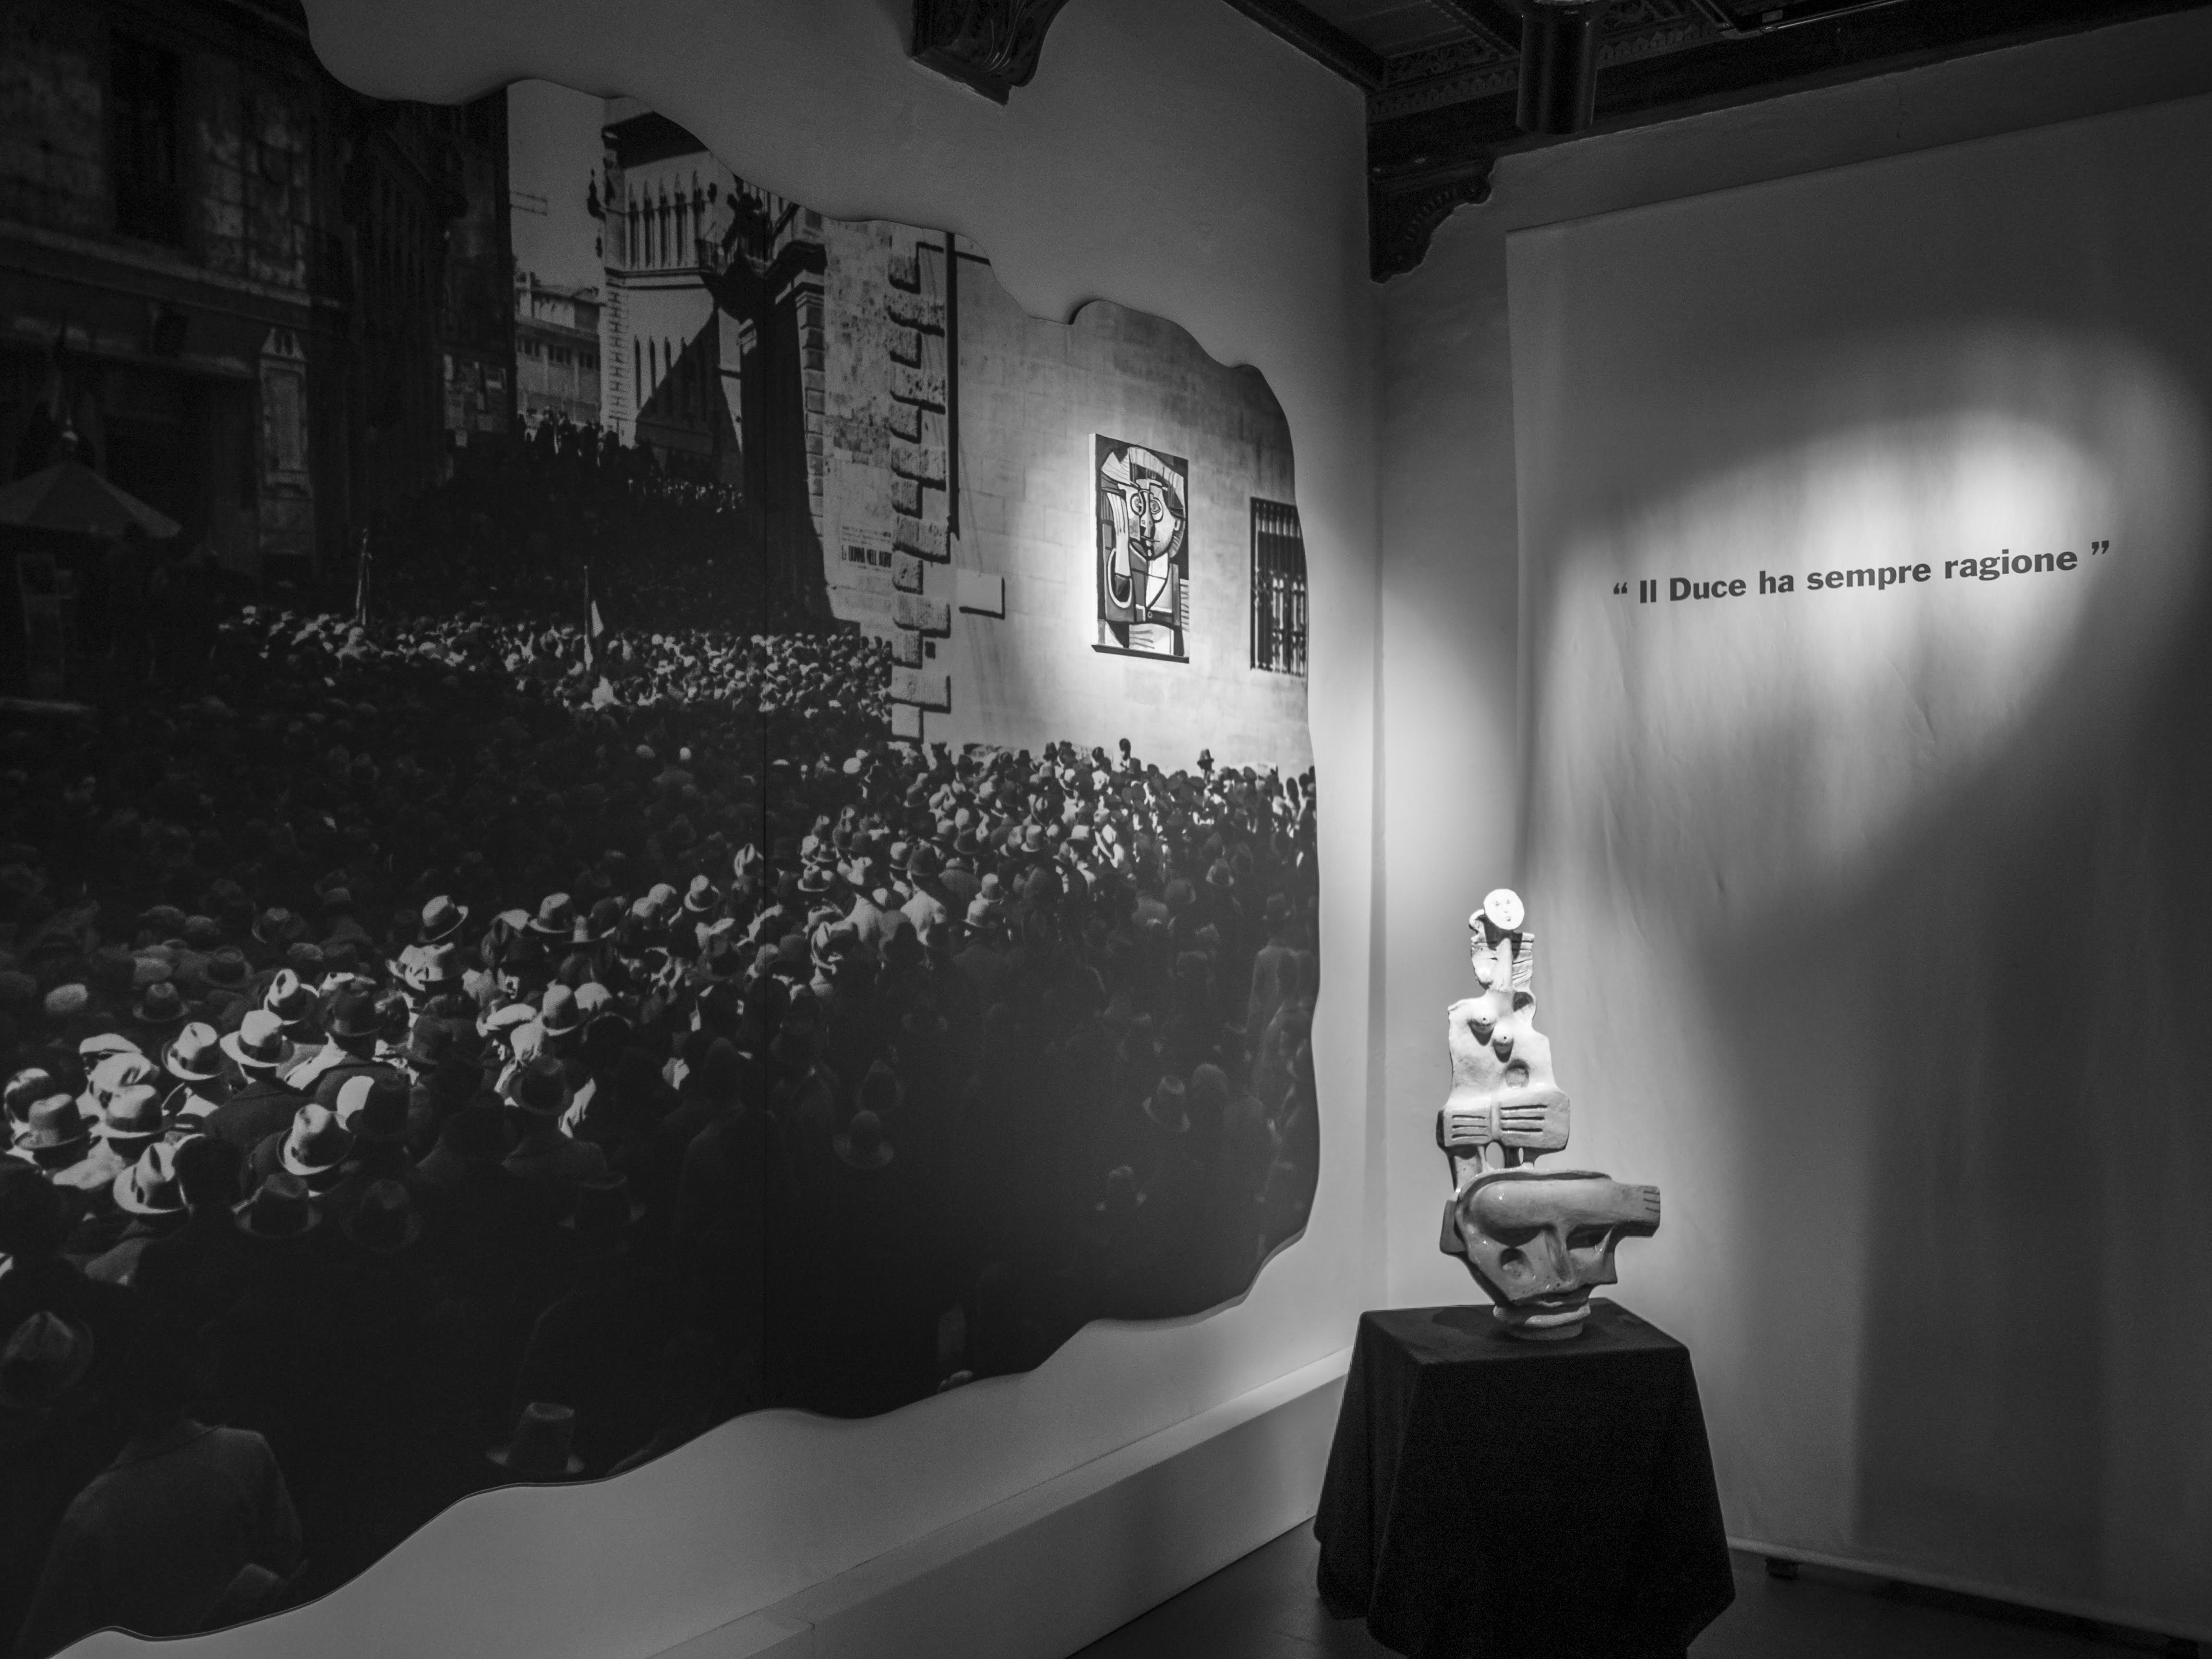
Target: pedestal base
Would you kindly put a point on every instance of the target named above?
(1522, 1499)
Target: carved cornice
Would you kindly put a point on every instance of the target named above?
(992, 46)
(1404, 210)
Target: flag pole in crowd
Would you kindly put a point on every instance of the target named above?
(361, 583)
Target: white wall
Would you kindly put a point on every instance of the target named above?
(1249, 231)
(1911, 1239)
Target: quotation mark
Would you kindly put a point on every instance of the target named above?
(2096, 547)
(1620, 587)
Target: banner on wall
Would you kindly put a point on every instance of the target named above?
(1866, 630)
(1144, 550)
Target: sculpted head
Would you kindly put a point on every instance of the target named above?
(1541, 1241)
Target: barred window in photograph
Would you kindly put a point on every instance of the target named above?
(1279, 588)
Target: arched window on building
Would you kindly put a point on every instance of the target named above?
(637, 374)
(682, 244)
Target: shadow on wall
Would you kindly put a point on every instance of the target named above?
(1932, 852)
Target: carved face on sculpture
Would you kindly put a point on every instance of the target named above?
(1502, 909)
(1541, 1241)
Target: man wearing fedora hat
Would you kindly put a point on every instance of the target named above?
(929, 903)
(480, 1218)
(555, 922)
(194, 1062)
(158, 1008)
(442, 920)
(197, 1270)
(562, 1020)
(443, 1065)
(374, 1111)
(351, 1024)
(160, 1538)
(983, 960)
(151, 1201)
(55, 1136)
(112, 1071)
(314, 1148)
(292, 1000)
(868, 914)
(263, 1104)
(130, 1123)
(226, 969)
(281, 1210)
(36, 1221)
(606, 1344)
(57, 1429)
(539, 1095)
(25, 1088)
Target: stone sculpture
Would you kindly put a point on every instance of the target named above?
(1538, 1241)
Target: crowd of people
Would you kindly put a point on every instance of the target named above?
(471, 1047)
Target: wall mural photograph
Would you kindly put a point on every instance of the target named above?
(620, 804)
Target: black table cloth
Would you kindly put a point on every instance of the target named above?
(1491, 1498)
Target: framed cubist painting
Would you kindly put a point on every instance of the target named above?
(1144, 550)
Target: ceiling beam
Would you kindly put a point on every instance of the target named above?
(1319, 39)
(1423, 165)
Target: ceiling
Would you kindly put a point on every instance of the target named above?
(1441, 76)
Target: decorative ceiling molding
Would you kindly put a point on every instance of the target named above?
(1445, 116)
(1405, 207)
(1490, 20)
(1456, 72)
(1441, 115)
(992, 46)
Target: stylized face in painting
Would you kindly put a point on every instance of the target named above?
(1146, 532)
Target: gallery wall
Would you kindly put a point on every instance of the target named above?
(1862, 912)
(1259, 255)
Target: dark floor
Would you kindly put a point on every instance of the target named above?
(1264, 1607)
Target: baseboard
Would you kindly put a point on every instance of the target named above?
(1056, 1567)
(2096, 1612)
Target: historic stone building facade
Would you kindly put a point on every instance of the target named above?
(557, 352)
(262, 303)
(895, 420)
